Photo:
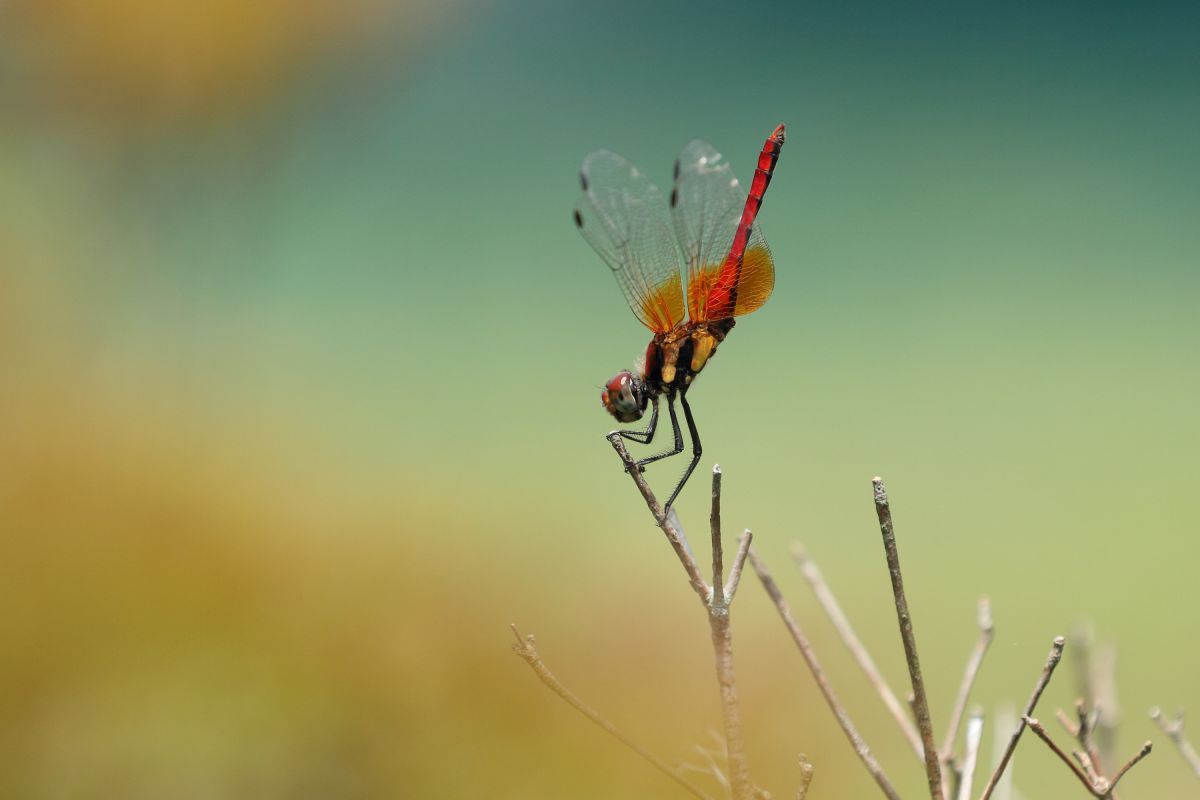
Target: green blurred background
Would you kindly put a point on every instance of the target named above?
(299, 357)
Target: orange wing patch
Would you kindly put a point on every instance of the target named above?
(662, 307)
(756, 281)
(710, 290)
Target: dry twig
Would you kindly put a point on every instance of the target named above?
(1173, 728)
(974, 736)
(716, 598)
(833, 610)
(526, 648)
(987, 632)
(806, 776)
(814, 666)
(1047, 671)
(933, 767)
(1097, 784)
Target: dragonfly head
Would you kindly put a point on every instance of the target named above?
(625, 397)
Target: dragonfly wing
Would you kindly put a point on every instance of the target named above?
(621, 216)
(707, 205)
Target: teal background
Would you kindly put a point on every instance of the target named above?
(300, 355)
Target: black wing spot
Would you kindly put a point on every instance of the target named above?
(674, 197)
(583, 181)
(677, 169)
(578, 219)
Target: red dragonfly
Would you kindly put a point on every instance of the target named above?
(715, 249)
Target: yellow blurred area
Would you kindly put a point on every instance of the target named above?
(143, 64)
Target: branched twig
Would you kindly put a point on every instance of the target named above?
(526, 648)
(1096, 784)
(828, 602)
(1173, 728)
(814, 666)
(1037, 728)
(933, 767)
(716, 599)
(1047, 671)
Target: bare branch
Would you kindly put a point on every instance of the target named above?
(1128, 765)
(714, 522)
(526, 648)
(1098, 785)
(987, 632)
(674, 536)
(833, 610)
(1173, 728)
(1037, 728)
(716, 603)
(1047, 671)
(806, 776)
(722, 641)
(973, 737)
(731, 713)
(1006, 720)
(739, 561)
(933, 767)
(814, 666)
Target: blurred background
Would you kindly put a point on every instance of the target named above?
(300, 355)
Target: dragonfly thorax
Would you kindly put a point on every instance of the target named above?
(676, 357)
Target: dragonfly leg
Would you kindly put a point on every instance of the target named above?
(641, 464)
(644, 437)
(696, 450)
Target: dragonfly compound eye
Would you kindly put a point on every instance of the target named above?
(622, 397)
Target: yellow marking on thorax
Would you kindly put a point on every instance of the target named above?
(703, 345)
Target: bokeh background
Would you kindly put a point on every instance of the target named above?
(299, 358)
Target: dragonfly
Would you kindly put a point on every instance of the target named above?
(710, 254)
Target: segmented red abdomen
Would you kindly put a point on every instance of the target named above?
(722, 297)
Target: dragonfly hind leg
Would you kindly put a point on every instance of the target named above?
(641, 464)
(697, 450)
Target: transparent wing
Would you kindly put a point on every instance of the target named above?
(706, 205)
(621, 216)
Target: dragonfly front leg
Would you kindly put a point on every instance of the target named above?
(641, 464)
(696, 448)
(644, 437)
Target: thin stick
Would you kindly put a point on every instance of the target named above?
(731, 710)
(526, 648)
(1173, 728)
(1037, 728)
(973, 737)
(716, 601)
(1098, 785)
(806, 776)
(1006, 718)
(814, 666)
(987, 632)
(933, 767)
(1128, 765)
(674, 535)
(1051, 663)
(714, 522)
(833, 610)
(722, 639)
(739, 561)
